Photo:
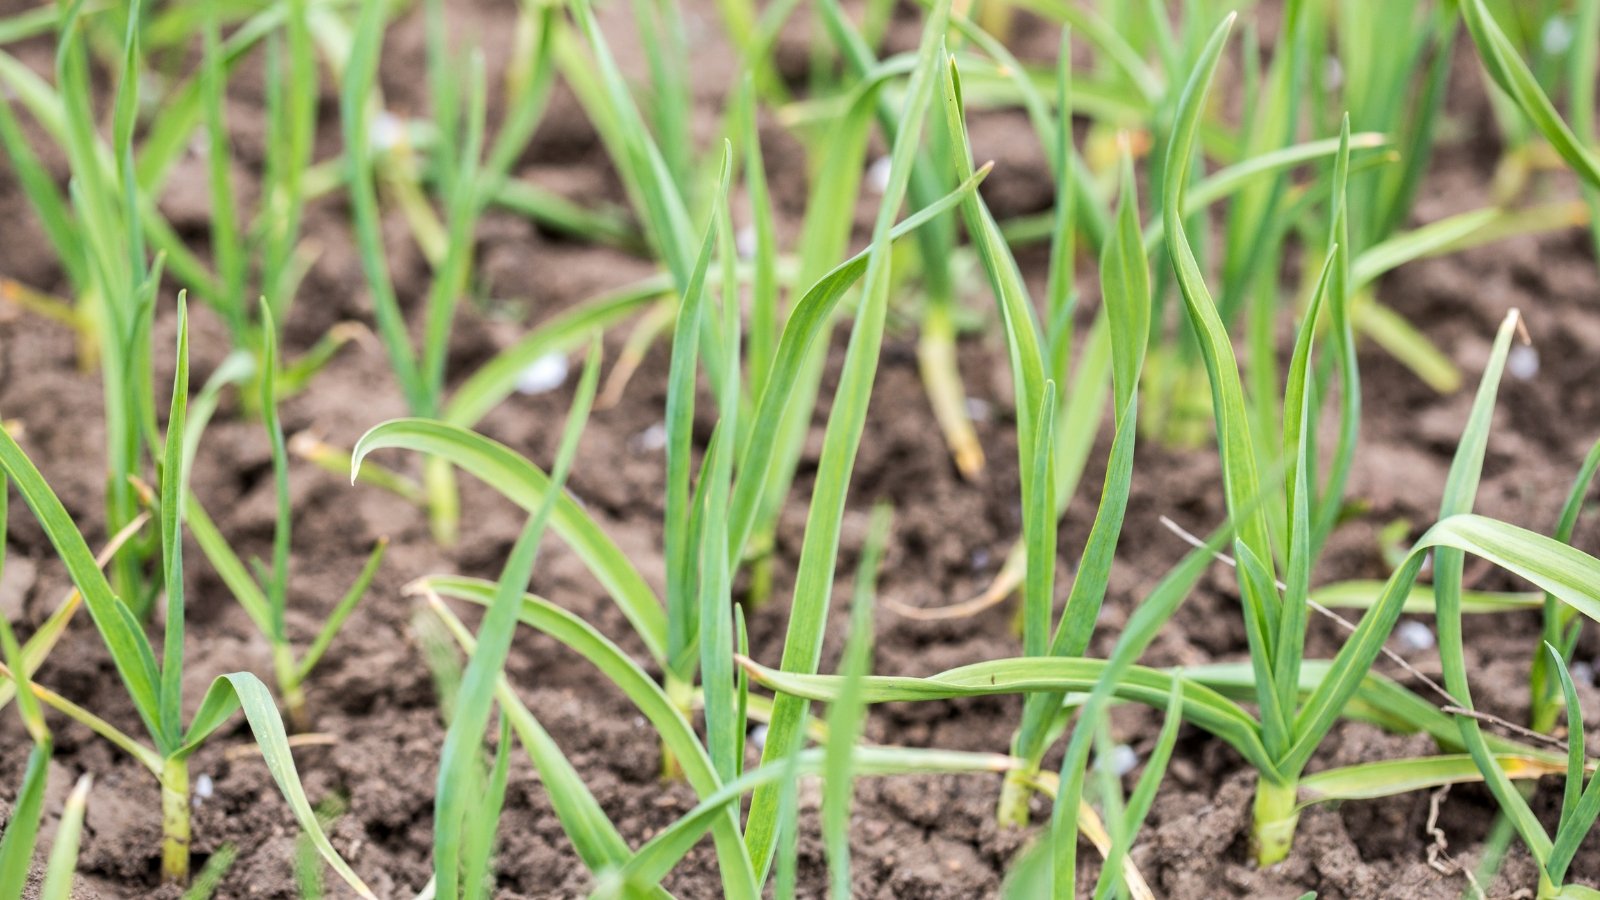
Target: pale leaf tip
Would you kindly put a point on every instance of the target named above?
(1515, 315)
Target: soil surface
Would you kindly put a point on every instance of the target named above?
(373, 701)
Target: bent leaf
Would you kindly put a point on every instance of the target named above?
(1368, 781)
(525, 484)
(242, 690)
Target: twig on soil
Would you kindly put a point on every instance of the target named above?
(1007, 581)
(1439, 858)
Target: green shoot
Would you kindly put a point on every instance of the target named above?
(1580, 805)
(155, 690)
(1561, 623)
(476, 696)
(845, 714)
(802, 643)
(64, 853)
(1503, 64)
(17, 842)
(1126, 287)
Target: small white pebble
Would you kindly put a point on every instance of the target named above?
(878, 175)
(744, 242)
(544, 374)
(1414, 635)
(978, 409)
(1122, 760)
(1332, 73)
(1522, 362)
(1556, 36)
(1582, 673)
(758, 737)
(980, 559)
(202, 790)
(651, 439)
(387, 132)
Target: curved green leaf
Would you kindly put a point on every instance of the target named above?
(1201, 705)
(620, 669)
(1368, 781)
(1506, 67)
(130, 651)
(807, 319)
(525, 484)
(474, 701)
(242, 690)
(594, 837)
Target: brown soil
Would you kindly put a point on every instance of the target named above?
(927, 837)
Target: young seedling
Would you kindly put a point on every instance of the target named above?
(1211, 694)
(468, 178)
(1561, 622)
(105, 231)
(618, 870)
(1580, 804)
(1275, 619)
(529, 487)
(419, 373)
(936, 351)
(266, 239)
(819, 551)
(1125, 284)
(452, 826)
(1045, 869)
(1081, 405)
(17, 842)
(1293, 719)
(675, 638)
(156, 689)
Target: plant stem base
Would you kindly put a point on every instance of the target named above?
(1276, 816)
(1012, 811)
(175, 822)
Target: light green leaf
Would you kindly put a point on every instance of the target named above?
(1386, 778)
(64, 853)
(524, 484)
(241, 690)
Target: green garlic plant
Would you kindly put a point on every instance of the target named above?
(1299, 701)
(155, 689)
